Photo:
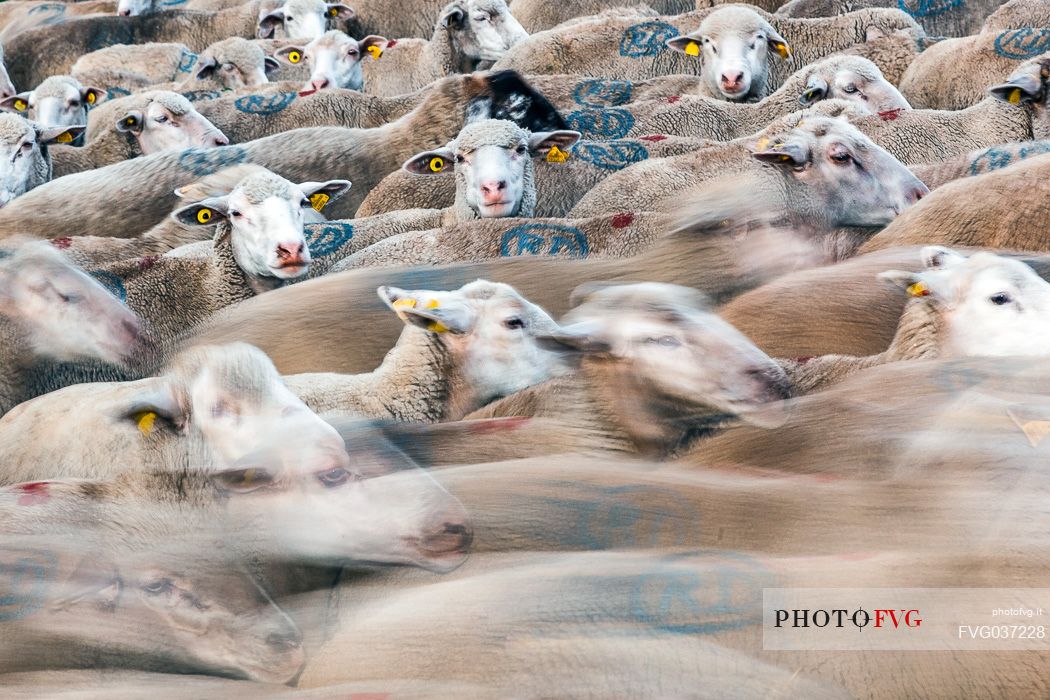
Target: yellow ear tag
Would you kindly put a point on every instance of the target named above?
(1014, 98)
(556, 155)
(762, 143)
(203, 216)
(785, 158)
(294, 57)
(692, 49)
(403, 304)
(318, 200)
(375, 51)
(783, 49)
(333, 12)
(918, 290)
(432, 304)
(130, 121)
(145, 422)
(437, 327)
(64, 137)
(90, 99)
(20, 105)
(437, 164)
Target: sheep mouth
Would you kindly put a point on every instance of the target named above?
(290, 269)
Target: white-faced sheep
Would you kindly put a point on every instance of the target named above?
(58, 101)
(25, 154)
(334, 59)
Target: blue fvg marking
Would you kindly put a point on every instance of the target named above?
(623, 516)
(54, 10)
(24, 575)
(113, 283)
(612, 155)
(995, 158)
(724, 592)
(601, 123)
(927, 8)
(205, 161)
(186, 61)
(603, 93)
(264, 104)
(646, 39)
(199, 95)
(529, 239)
(114, 92)
(325, 239)
(1023, 43)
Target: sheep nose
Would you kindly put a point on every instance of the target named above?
(732, 80)
(220, 140)
(125, 12)
(319, 83)
(493, 188)
(453, 533)
(290, 252)
(917, 193)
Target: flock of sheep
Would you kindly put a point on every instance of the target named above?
(415, 348)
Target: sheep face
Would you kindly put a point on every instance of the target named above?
(381, 508)
(482, 30)
(492, 161)
(169, 122)
(733, 44)
(855, 182)
(1027, 87)
(133, 8)
(853, 79)
(302, 19)
(58, 101)
(7, 88)
(264, 216)
(24, 161)
(235, 63)
(659, 345)
(335, 60)
(988, 305)
(66, 314)
(490, 330)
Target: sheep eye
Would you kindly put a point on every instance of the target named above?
(841, 157)
(520, 150)
(481, 18)
(333, 477)
(161, 119)
(227, 67)
(850, 89)
(459, 158)
(1000, 299)
(352, 52)
(234, 213)
(514, 323)
(158, 587)
(665, 341)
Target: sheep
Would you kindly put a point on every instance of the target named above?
(459, 350)
(945, 19)
(53, 313)
(234, 63)
(981, 211)
(734, 45)
(154, 122)
(298, 154)
(955, 73)
(26, 153)
(818, 145)
(128, 67)
(302, 19)
(1017, 14)
(626, 49)
(52, 50)
(644, 386)
(17, 17)
(541, 16)
(468, 34)
(893, 52)
(334, 59)
(342, 304)
(58, 101)
(7, 88)
(984, 160)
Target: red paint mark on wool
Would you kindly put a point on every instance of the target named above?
(33, 493)
(673, 98)
(391, 44)
(890, 114)
(622, 220)
(148, 261)
(62, 243)
(654, 137)
(804, 359)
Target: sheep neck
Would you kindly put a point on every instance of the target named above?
(234, 284)
(418, 379)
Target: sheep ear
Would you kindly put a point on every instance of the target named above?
(424, 310)
(339, 11)
(914, 283)
(778, 43)
(270, 65)
(268, 24)
(292, 55)
(374, 45)
(543, 141)
(93, 95)
(233, 481)
(584, 337)
(16, 103)
(1019, 89)
(689, 44)
(131, 123)
(203, 213)
(430, 162)
(320, 193)
(59, 134)
(783, 153)
(207, 68)
(159, 402)
(454, 17)
(939, 257)
(816, 90)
